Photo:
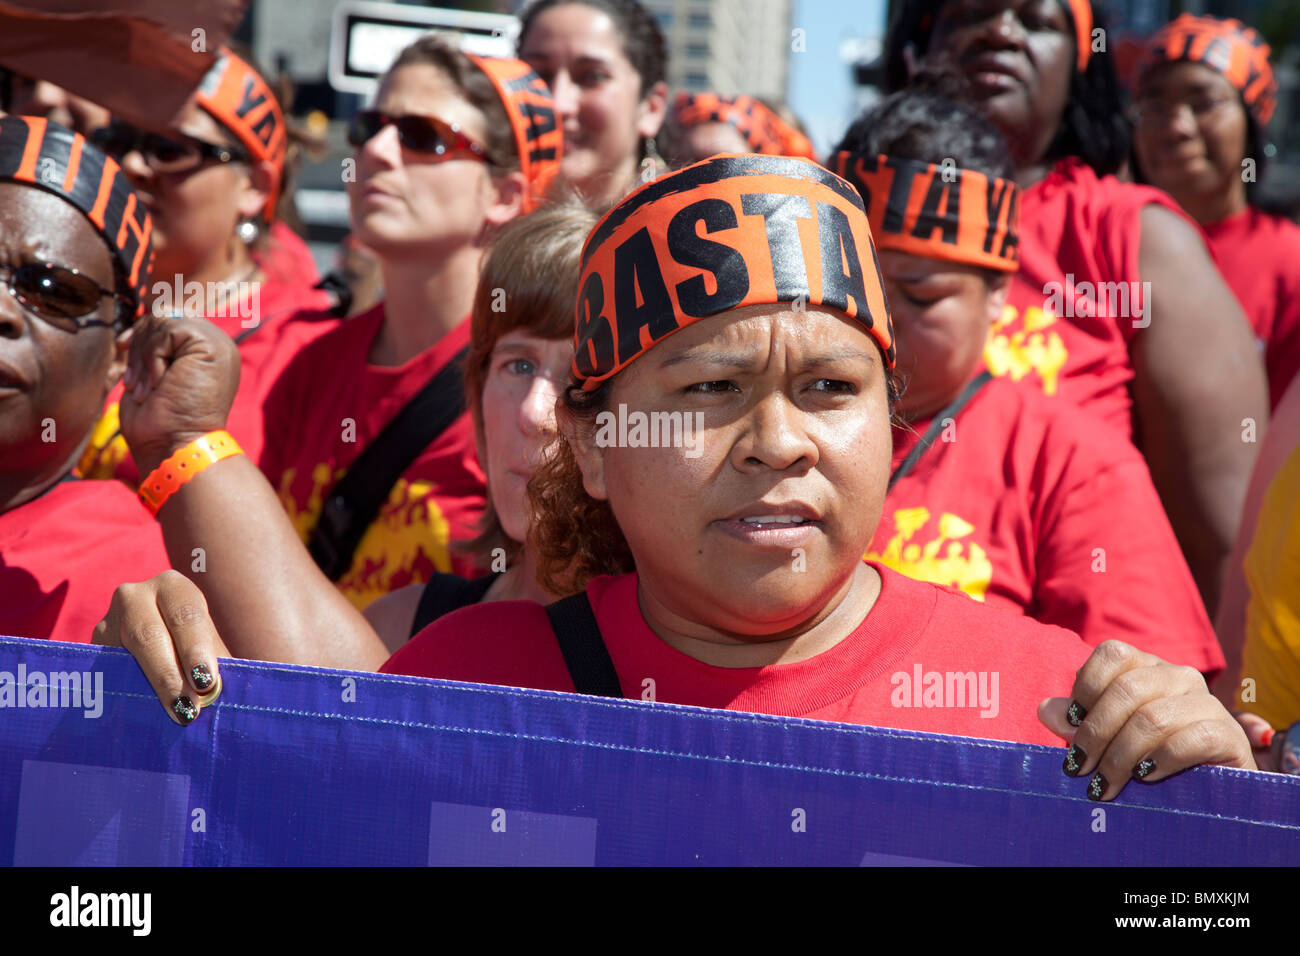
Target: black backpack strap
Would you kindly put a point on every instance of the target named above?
(444, 593)
(585, 654)
(937, 425)
(354, 501)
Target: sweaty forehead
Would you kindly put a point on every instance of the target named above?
(37, 224)
(753, 334)
(1174, 79)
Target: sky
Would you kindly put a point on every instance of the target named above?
(821, 88)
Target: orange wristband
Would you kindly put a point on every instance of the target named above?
(184, 464)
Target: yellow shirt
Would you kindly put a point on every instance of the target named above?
(1271, 656)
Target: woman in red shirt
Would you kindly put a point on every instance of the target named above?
(213, 180)
(74, 243)
(996, 490)
(1118, 303)
(1209, 156)
(726, 445)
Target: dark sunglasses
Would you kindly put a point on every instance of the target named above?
(59, 295)
(420, 134)
(163, 154)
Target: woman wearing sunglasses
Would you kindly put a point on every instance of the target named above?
(1118, 305)
(727, 572)
(212, 183)
(73, 275)
(1205, 95)
(606, 63)
(454, 147)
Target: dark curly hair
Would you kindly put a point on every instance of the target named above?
(1093, 125)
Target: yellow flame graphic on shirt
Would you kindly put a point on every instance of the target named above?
(942, 560)
(1031, 347)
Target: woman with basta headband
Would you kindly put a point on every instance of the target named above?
(1205, 94)
(74, 243)
(760, 319)
(606, 62)
(212, 182)
(1119, 298)
(454, 147)
(701, 125)
(995, 489)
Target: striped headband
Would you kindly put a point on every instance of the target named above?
(1229, 47)
(731, 231)
(51, 157)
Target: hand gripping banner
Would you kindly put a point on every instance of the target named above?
(731, 231)
(940, 212)
(298, 766)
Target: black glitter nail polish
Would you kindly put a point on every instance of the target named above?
(1096, 786)
(184, 710)
(1146, 766)
(202, 677)
(1075, 758)
(1075, 713)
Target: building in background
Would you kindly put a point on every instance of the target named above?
(727, 46)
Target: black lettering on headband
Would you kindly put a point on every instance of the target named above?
(835, 238)
(1011, 241)
(1218, 53)
(593, 329)
(264, 130)
(929, 219)
(12, 147)
(540, 117)
(711, 171)
(994, 198)
(636, 268)
(900, 190)
(780, 212)
(870, 164)
(687, 247)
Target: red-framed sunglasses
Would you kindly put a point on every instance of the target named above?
(420, 134)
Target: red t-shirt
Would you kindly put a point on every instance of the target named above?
(63, 554)
(909, 649)
(329, 404)
(288, 257)
(1259, 256)
(1038, 507)
(1071, 336)
(285, 316)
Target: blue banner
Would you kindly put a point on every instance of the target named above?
(306, 766)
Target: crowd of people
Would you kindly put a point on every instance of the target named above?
(984, 391)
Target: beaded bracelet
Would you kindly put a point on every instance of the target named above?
(165, 480)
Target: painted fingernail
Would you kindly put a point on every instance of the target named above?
(1266, 737)
(184, 710)
(1075, 713)
(1075, 758)
(202, 677)
(1096, 786)
(1146, 766)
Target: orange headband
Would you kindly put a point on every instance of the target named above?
(940, 212)
(1228, 47)
(763, 129)
(239, 99)
(731, 231)
(531, 110)
(1081, 10)
(51, 157)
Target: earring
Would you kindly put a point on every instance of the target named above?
(248, 231)
(651, 164)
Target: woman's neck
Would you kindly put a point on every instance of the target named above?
(230, 262)
(19, 487)
(1216, 206)
(519, 583)
(841, 616)
(423, 302)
